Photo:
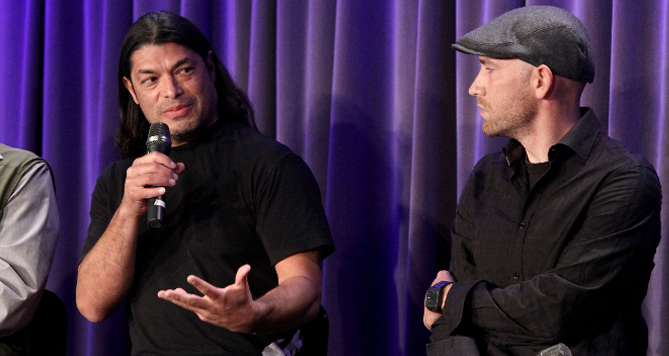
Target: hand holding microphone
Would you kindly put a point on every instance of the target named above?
(149, 175)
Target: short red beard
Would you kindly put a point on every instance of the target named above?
(512, 122)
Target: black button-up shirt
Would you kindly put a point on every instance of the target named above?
(567, 260)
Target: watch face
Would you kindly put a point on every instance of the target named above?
(432, 300)
(433, 296)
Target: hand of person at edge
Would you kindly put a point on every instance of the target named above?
(231, 307)
(429, 317)
(147, 178)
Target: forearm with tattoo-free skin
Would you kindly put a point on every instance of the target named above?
(106, 274)
(293, 302)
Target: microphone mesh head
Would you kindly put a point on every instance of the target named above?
(159, 129)
(159, 138)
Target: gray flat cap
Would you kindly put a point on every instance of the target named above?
(537, 35)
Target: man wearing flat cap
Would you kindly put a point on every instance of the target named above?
(554, 236)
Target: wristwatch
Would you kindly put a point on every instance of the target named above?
(433, 296)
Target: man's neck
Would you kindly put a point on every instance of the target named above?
(548, 129)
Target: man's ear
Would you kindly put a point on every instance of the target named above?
(543, 81)
(128, 85)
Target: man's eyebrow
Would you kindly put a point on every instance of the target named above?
(146, 71)
(485, 61)
(175, 66)
(181, 62)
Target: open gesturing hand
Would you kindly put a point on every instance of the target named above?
(231, 307)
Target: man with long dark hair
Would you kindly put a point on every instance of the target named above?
(239, 252)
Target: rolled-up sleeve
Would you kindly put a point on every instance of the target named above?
(28, 233)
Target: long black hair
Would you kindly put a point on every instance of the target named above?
(157, 28)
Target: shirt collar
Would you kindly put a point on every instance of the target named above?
(579, 138)
(513, 151)
(582, 136)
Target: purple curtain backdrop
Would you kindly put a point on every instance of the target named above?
(369, 93)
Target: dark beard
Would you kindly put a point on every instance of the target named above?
(190, 133)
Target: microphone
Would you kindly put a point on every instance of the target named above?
(158, 140)
(556, 350)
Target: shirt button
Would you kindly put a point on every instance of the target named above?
(516, 276)
(522, 226)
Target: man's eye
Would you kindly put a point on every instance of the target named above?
(149, 80)
(185, 70)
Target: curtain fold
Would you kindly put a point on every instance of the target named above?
(429, 203)
(369, 93)
(362, 192)
(21, 56)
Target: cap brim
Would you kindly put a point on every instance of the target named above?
(463, 49)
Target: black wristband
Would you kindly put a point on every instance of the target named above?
(433, 296)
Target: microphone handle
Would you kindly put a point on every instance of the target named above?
(156, 211)
(158, 140)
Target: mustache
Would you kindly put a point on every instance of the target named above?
(481, 104)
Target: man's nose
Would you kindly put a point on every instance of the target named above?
(476, 89)
(172, 87)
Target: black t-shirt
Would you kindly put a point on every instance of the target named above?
(243, 198)
(536, 170)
